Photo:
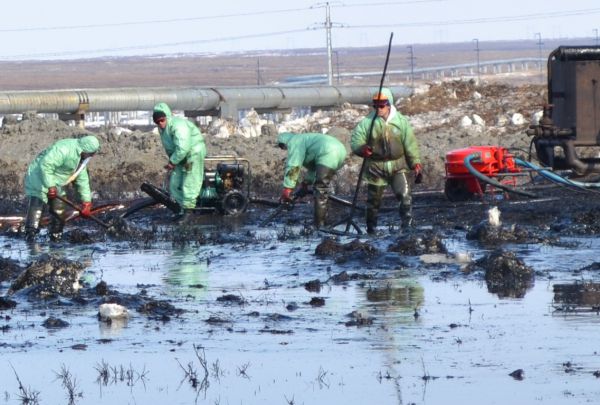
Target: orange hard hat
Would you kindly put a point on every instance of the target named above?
(380, 97)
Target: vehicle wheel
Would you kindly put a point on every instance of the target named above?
(456, 190)
(233, 203)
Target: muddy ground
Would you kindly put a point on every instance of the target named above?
(128, 158)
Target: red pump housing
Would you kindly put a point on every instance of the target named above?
(492, 161)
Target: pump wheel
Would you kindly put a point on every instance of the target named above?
(233, 203)
(456, 190)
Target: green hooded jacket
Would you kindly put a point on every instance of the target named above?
(53, 167)
(394, 144)
(309, 150)
(185, 148)
(181, 137)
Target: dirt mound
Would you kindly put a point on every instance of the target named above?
(130, 157)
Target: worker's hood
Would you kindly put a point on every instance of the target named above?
(89, 144)
(284, 137)
(163, 108)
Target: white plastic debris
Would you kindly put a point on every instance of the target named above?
(517, 119)
(466, 122)
(536, 117)
(494, 216)
(463, 257)
(112, 311)
(478, 120)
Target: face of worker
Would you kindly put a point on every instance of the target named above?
(85, 155)
(382, 108)
(161, 122)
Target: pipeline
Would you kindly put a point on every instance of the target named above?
(207, 99)
(489, 180)
(555, 177)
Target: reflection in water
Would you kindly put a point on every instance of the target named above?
(577, 297)
(186, 273)
(406, 295)
(112, 328)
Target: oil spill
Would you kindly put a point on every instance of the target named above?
(236, 313)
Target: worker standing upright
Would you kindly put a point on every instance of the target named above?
(386, 140)
(184, 145)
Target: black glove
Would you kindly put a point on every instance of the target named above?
(301, 191)
(418, 173)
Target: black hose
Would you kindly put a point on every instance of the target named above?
(489, 180)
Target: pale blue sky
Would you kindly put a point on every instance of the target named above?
(67, 29)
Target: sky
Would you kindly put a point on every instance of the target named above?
(61, 29)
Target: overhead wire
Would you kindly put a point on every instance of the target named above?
(533, 16)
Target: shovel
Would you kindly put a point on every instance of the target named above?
(78, 209)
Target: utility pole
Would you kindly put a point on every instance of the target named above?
(258, 78)
(337, 66)
(328, 25)
(596, 35)
(411, 58)
(476, 40)
(539, 44)
(329, 47)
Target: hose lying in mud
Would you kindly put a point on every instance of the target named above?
(555, 177)
(489, 180)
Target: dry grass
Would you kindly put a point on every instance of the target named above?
(246, 69)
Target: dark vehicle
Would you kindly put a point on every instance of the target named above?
(571, 118)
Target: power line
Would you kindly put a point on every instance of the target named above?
(145, 22)
(556, 14)
(155, 46)
(387, 3)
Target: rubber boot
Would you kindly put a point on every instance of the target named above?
(320, 210)
(372, 220)
(406, 217)
(184, 216)
(57, 222)
(35, 207)
(374, 196)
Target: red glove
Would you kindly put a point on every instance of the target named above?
(170, 166)
(86, 209)
(52, 193)
(286, 195)
(418, 173)
(366, 151)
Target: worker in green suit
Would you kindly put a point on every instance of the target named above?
(322, 155)
(185, 148)
(58, 165)
(386, 140)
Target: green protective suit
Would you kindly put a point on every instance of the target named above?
(309, 150)
(186, 150)
(53, 167)
(395, 147)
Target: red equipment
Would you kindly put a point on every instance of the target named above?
(491, 161)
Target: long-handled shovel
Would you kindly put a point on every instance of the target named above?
(78, 209)
(281, 207)
(350, 220)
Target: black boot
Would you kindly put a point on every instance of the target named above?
(374, 195)
(32, 219)
(406, 217)
(57, 221)
(184, 216)
(320, 211)
(371, 220)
